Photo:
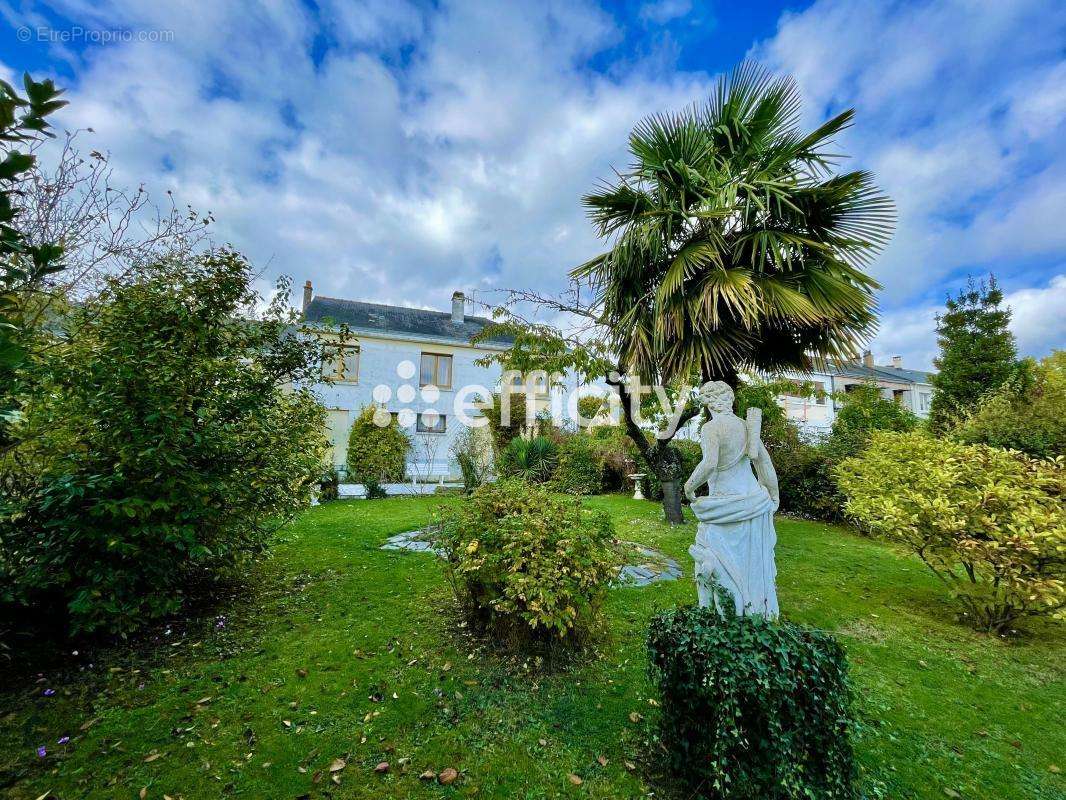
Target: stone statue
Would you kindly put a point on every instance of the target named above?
(735, 539)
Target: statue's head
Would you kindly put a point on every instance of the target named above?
(717, 396)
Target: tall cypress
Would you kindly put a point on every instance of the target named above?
(977, 350)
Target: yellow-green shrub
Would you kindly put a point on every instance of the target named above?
(526, 562)
(988, 522)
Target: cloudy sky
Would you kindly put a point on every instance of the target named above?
(395, 151)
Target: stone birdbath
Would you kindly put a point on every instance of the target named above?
(637, 493)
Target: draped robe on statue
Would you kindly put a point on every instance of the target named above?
(735, 539)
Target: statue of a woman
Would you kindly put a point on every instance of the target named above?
(735, 540)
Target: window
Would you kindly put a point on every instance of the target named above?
(899, 395)
(925, 401)
(344, 365)
(436, 370)
(431, 423)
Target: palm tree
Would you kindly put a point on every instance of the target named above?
(734, 246)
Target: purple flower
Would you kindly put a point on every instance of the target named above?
(221, 622)
(49, 692)
(63, 740)
(41, 751)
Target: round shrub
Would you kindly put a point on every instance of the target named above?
(526, 563)
(579, 470)
(752, 708)
(376, 454)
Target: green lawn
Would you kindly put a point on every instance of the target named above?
(345, 651)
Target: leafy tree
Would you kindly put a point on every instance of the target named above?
(977, 352)
(23, 266)
(864, 411)
(162, 444)
(1027, 413)
(732, 245)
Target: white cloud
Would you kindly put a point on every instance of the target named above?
(663, 11)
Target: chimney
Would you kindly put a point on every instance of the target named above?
(308, 294)
(897, 362)
(458, 308)
(867, 358)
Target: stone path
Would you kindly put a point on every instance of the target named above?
(652, 567)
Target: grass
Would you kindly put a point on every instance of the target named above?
(344, 651)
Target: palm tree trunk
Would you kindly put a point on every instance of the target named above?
(672, 502)
(662, 459)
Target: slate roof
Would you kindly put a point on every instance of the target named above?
(880, 372)
(416, 322)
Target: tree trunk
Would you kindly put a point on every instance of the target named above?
(672, 503)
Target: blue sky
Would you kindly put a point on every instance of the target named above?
(396, 151)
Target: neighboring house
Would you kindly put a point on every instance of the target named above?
(413, 362)
(911, 388)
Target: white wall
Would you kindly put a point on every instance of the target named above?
(379, 358)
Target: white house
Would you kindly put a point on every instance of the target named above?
(417, 364)
(815, 413)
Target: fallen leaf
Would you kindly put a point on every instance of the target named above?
(630, 766)
(287, 723)
(143, 793)
(601, 760)
(574, 779)
(301, 672)
(152, 757)
(952, 794)
(337, 765)
(88, 724)
(428, 775)
(203, 701)
(635, 717)
(542, 742)
(447, 776)
(382, 767)
(1053, 768)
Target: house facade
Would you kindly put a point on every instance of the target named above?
(815, 413)
(418, 365)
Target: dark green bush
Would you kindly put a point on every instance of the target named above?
(579, 470)
(529, 459)
(377, 453)
(166, 443)
(525, 563)
(329, 486)
(752, 709)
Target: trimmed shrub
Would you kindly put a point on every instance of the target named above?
(525, 563)
(579, 470)
(529, 459)
(752, 708)
(990, 523)
(377, 454)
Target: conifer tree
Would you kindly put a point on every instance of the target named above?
(977, 351)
